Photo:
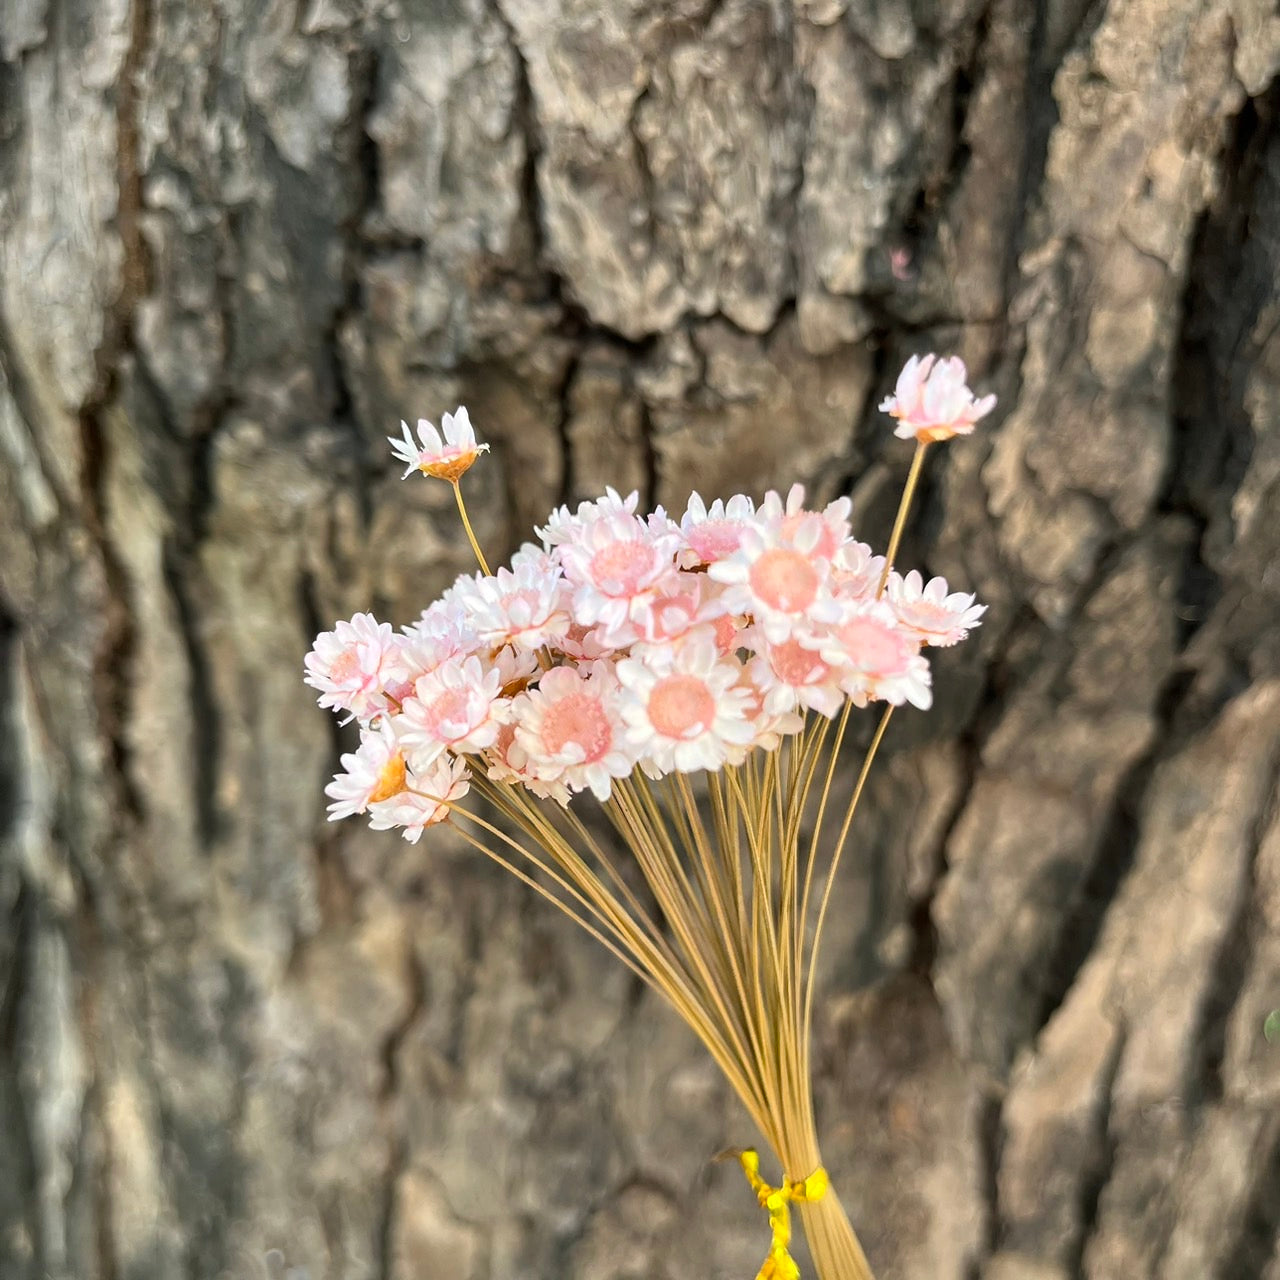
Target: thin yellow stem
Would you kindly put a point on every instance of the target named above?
(900, 521)
(763, 952)
(525, 878)
(683, 987)
(734, 960)
(517, 805)
(831, 877)
(673, 892)
(466, 524)
(812, 860)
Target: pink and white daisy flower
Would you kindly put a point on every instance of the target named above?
(692, 600)
(564, 525)
(376, 771)
(425, 799)
(515, 668)
(569, 730)
(616, 566)
(877, 657)
(353, 664)
(831, 523)
(683, 708)
(713, 533)
(856, 572)
(501, 769)
(587, 644)
(531, 557)
(673, 615)
(932, 400)
(457, 706)
(936, 616)
(780, 582)
(446, 458)
(443, 631)
(792, 673)
(526, 605)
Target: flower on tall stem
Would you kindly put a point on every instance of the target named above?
(932, 400)
(447, 454)
(938, 616)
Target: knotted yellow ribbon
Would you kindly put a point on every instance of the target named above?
(776, 1201)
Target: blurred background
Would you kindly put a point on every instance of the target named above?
(662, 246)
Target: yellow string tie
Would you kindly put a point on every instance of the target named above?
(776, 1202)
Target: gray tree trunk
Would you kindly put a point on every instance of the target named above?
(662, 245)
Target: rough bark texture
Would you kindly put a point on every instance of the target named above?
(661, 245)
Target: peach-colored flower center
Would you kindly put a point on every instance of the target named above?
(681, 706)
(450, 464)
(578, 719)
(620, 569)
(794, 664)
(715, 539)
(784, 580)
(391, 780)
(873, 647)
(935, 433)
(726, 626)
(502, 744)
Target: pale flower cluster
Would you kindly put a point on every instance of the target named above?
(625, 640)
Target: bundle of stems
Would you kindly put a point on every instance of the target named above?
(739, 885)
(677, 703)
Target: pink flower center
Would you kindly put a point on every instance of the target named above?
(874, 648)
(714, 539)
(621, 568)
(345, 667)
(784, 580)
(447, 711)
(526, 600)
(795, 665)
(577, 720)
(681, 706)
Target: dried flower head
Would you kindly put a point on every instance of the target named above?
(932, 400)
(937, 616)
(447, 458)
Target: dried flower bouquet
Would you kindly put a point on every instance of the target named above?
(697, 677)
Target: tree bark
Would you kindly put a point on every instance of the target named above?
(665, 246)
